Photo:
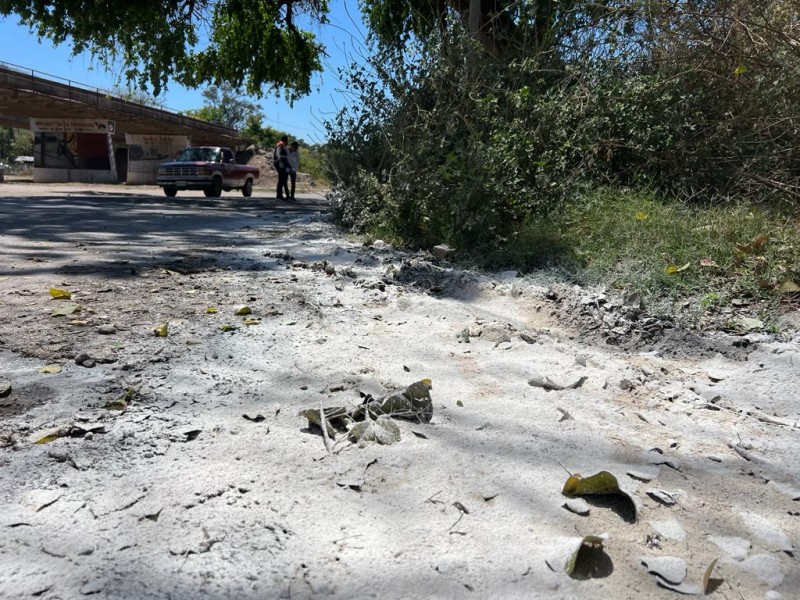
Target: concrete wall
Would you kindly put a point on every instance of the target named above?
(146, 152)
(47, 175)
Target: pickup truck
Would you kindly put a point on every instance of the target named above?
(208, 168)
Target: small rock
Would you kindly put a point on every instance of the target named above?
(579, 506)
(662, 496)
(58, 455)
(85, 360)
(442, 251)
(626, 385)
(670, 529)
(5, 388)
(106, 329)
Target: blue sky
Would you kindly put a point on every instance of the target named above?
(343, 38)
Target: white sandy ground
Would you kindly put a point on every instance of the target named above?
(260, 510)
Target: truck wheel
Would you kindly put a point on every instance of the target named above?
(170, 190)
(215, 191)
(247, 190)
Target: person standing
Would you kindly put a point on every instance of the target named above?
(293, 157)
(281, 164)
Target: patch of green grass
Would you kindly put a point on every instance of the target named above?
(667, 250)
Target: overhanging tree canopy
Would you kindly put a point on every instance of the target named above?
(255, 45)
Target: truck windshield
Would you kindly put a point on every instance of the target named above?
(198, 154)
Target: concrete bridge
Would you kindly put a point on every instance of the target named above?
(91, 135)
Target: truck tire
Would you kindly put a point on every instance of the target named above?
(170, 190)
(247, 190)
(215, 191)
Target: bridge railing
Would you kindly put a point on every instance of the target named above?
(18, 77)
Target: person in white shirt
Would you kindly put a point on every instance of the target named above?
(293, 156)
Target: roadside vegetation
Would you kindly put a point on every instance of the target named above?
(651, 147)
(14, 142)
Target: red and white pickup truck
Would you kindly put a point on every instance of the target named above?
(208, 168)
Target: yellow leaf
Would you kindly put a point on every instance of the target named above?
(161, 330)
(740, 70)
(251, 321)
(130, 394)
(48, 438)
(571, 485)
(211, 310)
(640, 216)
(60, 294)
(243, 310)
(50, 369)
(672, 269)
(599, 483)
(789, 287)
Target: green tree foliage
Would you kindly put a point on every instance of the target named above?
(6, 140)
(224, 105)
(15, 142)
(454, 141)
(256, 45)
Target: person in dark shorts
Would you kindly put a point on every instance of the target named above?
(281, 164)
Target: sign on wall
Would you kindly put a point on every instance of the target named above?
(58, 125)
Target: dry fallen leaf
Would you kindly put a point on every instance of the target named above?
(161, 330)
(66, 309)
(212, 310)
(591, 542)
(59, 294)
(788, 287)
(383, 430)
(753, 245)
(50, 369)
(243, 310)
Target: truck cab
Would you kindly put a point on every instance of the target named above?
(212, 169)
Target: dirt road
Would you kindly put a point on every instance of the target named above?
(177, 465)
